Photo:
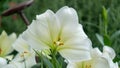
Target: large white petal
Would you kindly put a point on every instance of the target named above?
(84, 44)
(67, 16)
(76, 49)
(68, 20)
(33, 41)
(21, 45)
(75, 39)
(75, 55)
(51, 22)
(43, 31)
(69, 33)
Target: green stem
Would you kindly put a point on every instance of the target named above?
(54, 59)
(41, 63)
(40, 56)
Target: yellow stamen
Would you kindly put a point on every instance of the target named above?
(58, 43)
(25, 52)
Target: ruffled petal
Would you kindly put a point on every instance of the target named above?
(109, 51)
(95, 53)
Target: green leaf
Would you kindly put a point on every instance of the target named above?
(44, 60)
(100, 38)
(47, 62)
(115, 35)
(105, 19)
(104, 14)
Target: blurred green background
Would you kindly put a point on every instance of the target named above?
(91, 16)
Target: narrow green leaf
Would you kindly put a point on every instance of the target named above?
(47, 62)
(104, 13)
(105, 19)
(100, 38)
(115, 35)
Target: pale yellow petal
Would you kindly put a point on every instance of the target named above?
(6, 43)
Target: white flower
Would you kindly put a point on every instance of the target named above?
(61, 32)
(6, 43)
(25, 58)
(99, 59)
(26, 55)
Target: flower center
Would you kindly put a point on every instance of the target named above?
(58, 42)
(23, 54)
